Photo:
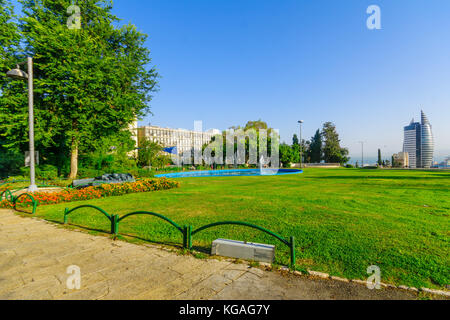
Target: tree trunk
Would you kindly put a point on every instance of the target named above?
(74, 160)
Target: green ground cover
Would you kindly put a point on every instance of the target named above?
(344, 220)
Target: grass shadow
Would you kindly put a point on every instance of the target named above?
(23, 211)
(167, 243)
(78, 226)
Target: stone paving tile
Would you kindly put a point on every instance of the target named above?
(10, 283)
(37, 290)
(34, 256)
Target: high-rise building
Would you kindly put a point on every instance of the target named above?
(419, 143)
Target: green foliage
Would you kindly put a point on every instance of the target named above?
(111, 154)
(332, 151)
(251, 126)
(10, 162)
(89, 83)
(13, 99)
(257, 125)
(296, 153)
(148, 153)
(295, 141)
(286, 155)
(315, 148)
(161, 161)
(43, 172)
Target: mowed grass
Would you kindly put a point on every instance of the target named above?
(344, 220)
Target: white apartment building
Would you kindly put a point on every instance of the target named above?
(401, 159)
(184, 140)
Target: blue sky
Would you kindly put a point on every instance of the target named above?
(227, 62)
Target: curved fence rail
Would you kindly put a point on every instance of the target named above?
(34, 202)
(288, 242)
(112, 218)
(9, 196)
(7, 193)
(186, 230)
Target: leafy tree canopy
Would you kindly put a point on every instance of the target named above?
(332, 150)
(90, 82)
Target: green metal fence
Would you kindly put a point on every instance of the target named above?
(5, 194)
(112, 218)
(9, 196)
(183, 230)
(33, 201)
(288, 242)
(186, 230)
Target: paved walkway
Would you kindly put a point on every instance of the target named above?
(34, 256)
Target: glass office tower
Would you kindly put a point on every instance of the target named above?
(419, 143)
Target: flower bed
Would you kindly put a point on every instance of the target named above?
(105, 190)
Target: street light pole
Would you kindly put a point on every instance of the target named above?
(362, 153)
(19, 74)
(300, 145)
(33, 187)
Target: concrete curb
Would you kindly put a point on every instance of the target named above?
(362, 282)
(323, 275)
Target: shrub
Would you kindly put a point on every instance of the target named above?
(86, 173)
(17, 178)
(43, 172)
(141, 173)
(10, 163)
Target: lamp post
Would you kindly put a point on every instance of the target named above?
(362, 153)
(301, 145)
(21, 75)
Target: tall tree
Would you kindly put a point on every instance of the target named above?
(13, 99)
(12, 93)
(315, 148)
(332, 150)
(295, 141)
(90, 82)
(380, 162)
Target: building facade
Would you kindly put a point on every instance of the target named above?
(401, 160)
(184, 140)
(419, 143)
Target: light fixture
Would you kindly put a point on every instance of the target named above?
(17, 74)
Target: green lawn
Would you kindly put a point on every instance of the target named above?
(344, 220)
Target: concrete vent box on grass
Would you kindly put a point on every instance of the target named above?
(243, 250)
